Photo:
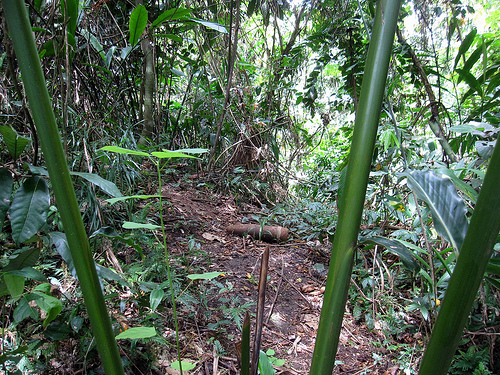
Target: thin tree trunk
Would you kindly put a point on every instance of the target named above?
(149, 90)
(233, 47)
(434, 122)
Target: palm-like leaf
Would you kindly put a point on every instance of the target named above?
(447, 207)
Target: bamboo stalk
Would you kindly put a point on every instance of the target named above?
(45, 122)
(353, 196)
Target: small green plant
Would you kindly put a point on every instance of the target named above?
(157, 294)
(473, 361)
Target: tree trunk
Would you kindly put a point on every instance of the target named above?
(434, 123)
(148, 82)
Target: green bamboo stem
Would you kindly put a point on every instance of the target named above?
(45, 122)
(353, 195)
(468, 274)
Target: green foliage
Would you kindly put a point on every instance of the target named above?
(15, 143)
(137, 24)
(447, 208)
(472, 361)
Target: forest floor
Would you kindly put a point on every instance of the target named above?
(293, 300)
(294, 291)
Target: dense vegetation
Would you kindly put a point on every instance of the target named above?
(256, 100)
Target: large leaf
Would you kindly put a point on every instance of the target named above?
(72, 17)
(106, 185)
(51, 305)
(6, 184)
(132, 225)
(24, 310)
(15, 285)
(468, 77)
(171, 154)
(461, 185)
(211, 25)
(171, 14)
(137, 333)
(395, 247)
(137, 23)
(58, 239)
(29, 273)
(464, 47)
(22, 258)
(15, 143)
(126, 151)
(447, 207)
(28, 211)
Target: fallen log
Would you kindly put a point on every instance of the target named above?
(266, 233)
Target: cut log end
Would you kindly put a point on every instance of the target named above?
(266, 233)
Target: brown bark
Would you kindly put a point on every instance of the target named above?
(265, 233)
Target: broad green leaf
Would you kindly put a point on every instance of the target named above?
(114, 200)
(494, 266)
(15, 143)
(468, 77)
(395, 247)
(29, 273)
(126, 151)
(494, 282)
(15, 285)
(22, 258)
(137, 24)
(23, 310)
(186, 366)
(169, 15)
(109, 274)
(464, 47)
(72, 17)
(6, 184)
(57, 330)
(9, 354)
(137, 333)
(58, 239)
(211, 25)
(108, 186)
(265, 365)
(204, 276)
(109, 57)
(485, 148)
(94, 42)
(132, 225)
(171, 154)
(28, 211)
(51, 305)
(462, 128)
(155, 298)
(252, 5)
(177, 72)
(447, 207)
(466, 188)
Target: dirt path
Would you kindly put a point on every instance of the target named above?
(294, 290)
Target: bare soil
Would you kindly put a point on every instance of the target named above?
(293, 298)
